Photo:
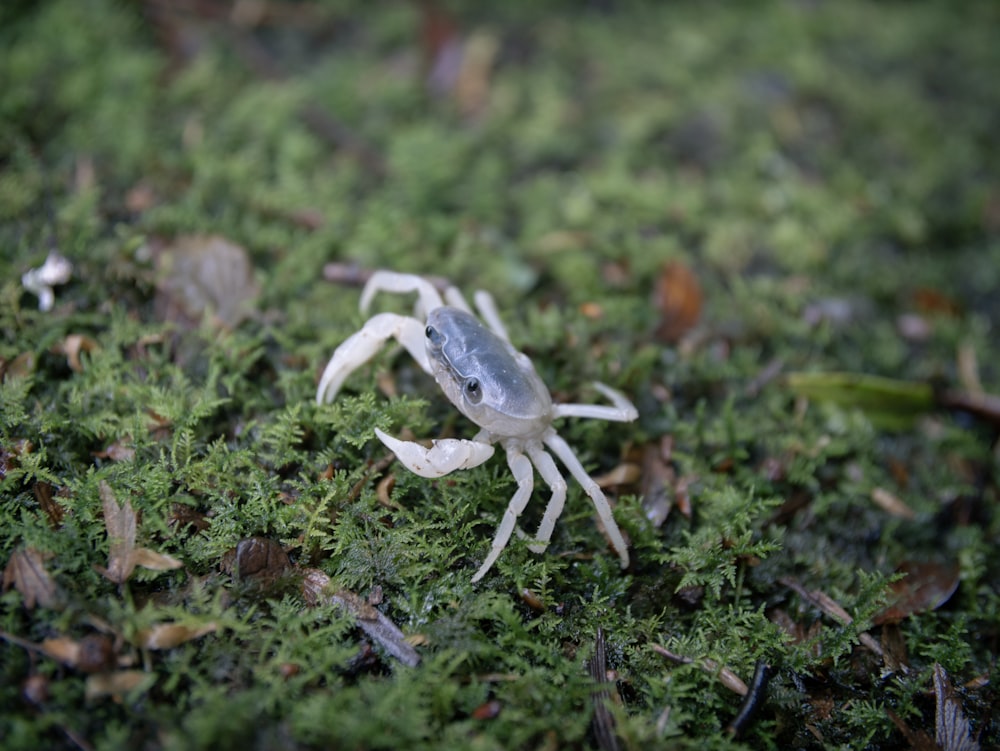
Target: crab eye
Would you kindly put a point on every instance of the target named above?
(432, 334)
(473, 391)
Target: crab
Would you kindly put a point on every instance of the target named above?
(492, 384)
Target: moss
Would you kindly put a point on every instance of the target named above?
(827, 172)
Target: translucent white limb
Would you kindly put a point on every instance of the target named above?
(487, 308)
(391, 281)
(441, 458)
(622, 411)
(362, 346)
(562, 450)
(554, 479)
(454, 297)
(524, 474)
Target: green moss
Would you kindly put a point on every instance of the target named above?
(823, 169)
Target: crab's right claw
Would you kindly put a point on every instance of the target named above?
(443, 457)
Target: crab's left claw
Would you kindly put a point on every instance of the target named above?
(442, 457)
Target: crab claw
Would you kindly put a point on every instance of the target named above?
(444, 456)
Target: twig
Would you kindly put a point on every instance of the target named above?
(752, 701)
(832, 608)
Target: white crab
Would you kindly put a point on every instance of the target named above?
(493, 385)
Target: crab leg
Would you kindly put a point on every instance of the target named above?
(524, 474)
(561, 449)
(390, 281)
(554, 479)
(622, 411)
(362, 346)
(487, 308)
(444, 456)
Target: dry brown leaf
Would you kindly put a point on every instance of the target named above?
(72, 346)
(154, 561)
(118, 683)
(91, 654)
(119, 451)
(26, 572)
(489, 710)
(927, 586)
(678, 299)
(170, 635)
(21, 366)
(205, 274)
(120, 523)
(657, 481)
(892, 504)
(53, 511)
(624, 474)
(61, 649)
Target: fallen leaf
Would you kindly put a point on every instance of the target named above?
(624, 474)
(118, 683)
(205, 274)
(120, 521)
(170, 635)
(927, 585)
(678, 300)
(140, 197)
(26, 572)
(892, 504)
(932, 301)
(36, 689)
(72, 346)
(951, 728)
(61, 649)
(53, 511)
(489, 710)
(183, 516)
(154, 561)
(472, 89)
(119, 451)
(889, 403)
(259, 558)
(21, 366)
(658, 478)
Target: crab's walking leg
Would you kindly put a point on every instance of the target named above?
(391, 281)
(554, 479)
(622, 411)
(561, 449)
(362, 346)
(488, 312)
(520, 466)
(443, 457)
(453, 296)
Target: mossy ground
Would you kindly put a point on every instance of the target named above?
(828, 171)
